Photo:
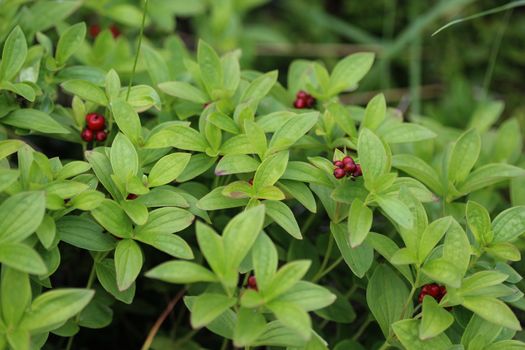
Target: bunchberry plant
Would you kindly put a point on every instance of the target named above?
(274, 212)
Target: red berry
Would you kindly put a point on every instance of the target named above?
(338, 164)
(94, 30)
(349, 168)
(348, 159)
(299, 103)
(252, 283)
(339, 173)
(95, 121)
(421, 296)
(114, 31)
(301, 94)
(310, 101)
(101, 136)
(357, 172)
(132, 196)
(250, 182)
(87, 135)
(434, 290)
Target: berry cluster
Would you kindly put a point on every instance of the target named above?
(94, 30)
(95, 124)
(252, 283)
(346, 167)
(303, 100)
(434, 290)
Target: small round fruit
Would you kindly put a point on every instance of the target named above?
(310, 101)
(349, 168)
(421, 297)
(101, 136)
(252, 282)
(301, 94)
(299, 103)
(87, 135)
(114, 31)
(95, 121)
(339, 173)
(338, 164)
(94, 30)
(357, 172)
(348, 160)
(132, 196)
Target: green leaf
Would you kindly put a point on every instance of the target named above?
(431, 237)
(167, 243)
(15, 289)
(308, 296)
(111, 216)
(69, 42)
(250, 325)
(396, 210)
(52, 308)
(349, 71)
(19, 339)
(183, 91)
(373, 157)
(86, 90)
(128, 263)
(215, 200)
(259, 87)
(166, 220)
(223, 122)
(509, 224)
(8, 147)
(277, 334)
(212, 247)
(283, 216)
(83, 233)
(478, 219)
(22, 257)
(240, 234)
(34, 120)
(181, 272)
(285, 278)
(295, 128)
(443, 271)
(405, 133)
(435, 319)
(236, 164)
(486, 114)
(107, 277)
(360, 258)
(293, 317)
(479, 280)
(178, 136)
(210, 69)
(492, 310)
(128, 121)
(479, 332)
(136, 211)
(256, 136)
(270, 170)
(457, 247)
(264, 261)
(386, 295)
(375, 112)
(489, 174)
(417, 168)
(506, 345)
(13, 55)
(124, 158)
(504, 250)
(464, 155)
(359, 222)
(20, 216)
(168, 168)
(207, 307)
(300, 192)
(407, 333)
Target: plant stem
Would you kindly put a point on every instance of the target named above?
(224, 344)
(327, 254)
(156, 326)
(309, 221)
(138, 48)
(89, 284)
(384, 346)
(328, 269)
(363, 327)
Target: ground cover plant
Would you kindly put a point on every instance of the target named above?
(156, 196)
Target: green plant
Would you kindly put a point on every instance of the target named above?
(198, 146)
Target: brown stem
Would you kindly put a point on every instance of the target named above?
(155, 328)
